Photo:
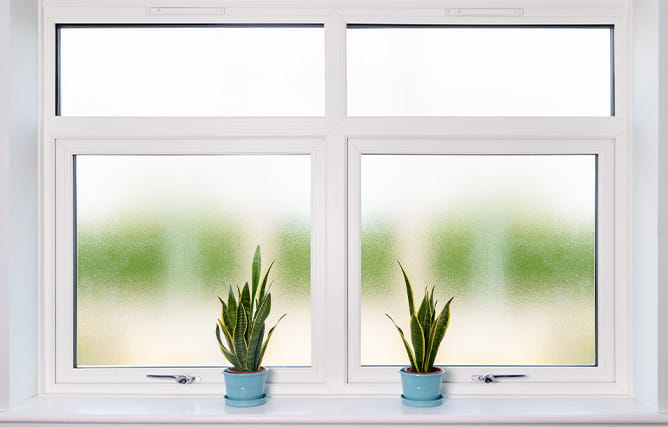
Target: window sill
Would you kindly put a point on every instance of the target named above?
(182, 411)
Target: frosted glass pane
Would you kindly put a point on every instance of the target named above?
(479, 71)
(512, 237)
(160, 237)
(192, 71)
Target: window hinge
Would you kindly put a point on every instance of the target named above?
(492, 378)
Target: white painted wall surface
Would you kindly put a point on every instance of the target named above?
(18, 200)
(663, 209)
(23, 199)
(645, 189)
(4, 204)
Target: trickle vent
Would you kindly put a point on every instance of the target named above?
(183, 11)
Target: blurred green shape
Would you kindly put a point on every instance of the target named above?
(123, 257)
(293, 260)
(378, 258)
(452, 254)
(539, 257)
(218, 255)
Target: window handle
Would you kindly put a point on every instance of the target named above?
(493, 378)
(181, 379)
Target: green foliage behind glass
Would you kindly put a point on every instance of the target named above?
(377, 258)
(126, 256)
(452, 257)
(465, 254)
(543, 256)
(218, 256)
(294, 265)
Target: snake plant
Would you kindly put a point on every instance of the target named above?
(242, 320)
(427, 329)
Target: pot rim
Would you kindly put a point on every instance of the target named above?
(230, 370)
(437, 371)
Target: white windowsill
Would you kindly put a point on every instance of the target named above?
(333, 411)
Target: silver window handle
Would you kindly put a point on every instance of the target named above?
(181, 379)
(493, 378)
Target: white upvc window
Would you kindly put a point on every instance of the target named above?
(485, 148)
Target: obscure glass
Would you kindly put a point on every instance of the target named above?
(512, 237)
(191, 71)
(479, 71)
(160, 237)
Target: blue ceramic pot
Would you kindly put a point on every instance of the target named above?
(422, 389)
(246, 388)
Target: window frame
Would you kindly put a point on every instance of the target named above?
(65, 296)
(459, 377)
(336, 138)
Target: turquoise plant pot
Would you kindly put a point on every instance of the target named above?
(245, 388)
(422, 390)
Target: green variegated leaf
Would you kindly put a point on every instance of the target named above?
(409, 291)
(255, 272)
(263, 310)
(432, 305)
(418, 340)
(229, 355)
(227, 334)
(266, 341)
(411, 355)
(240, 341)
(440, 327)
(245, 300)
(231, 319)
(223, 308)
(264, 282)
(257, 329)
(254, 349)
(424, 319)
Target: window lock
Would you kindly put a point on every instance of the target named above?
(493, 378)
(181, 379)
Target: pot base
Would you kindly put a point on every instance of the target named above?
(422, 403)
(245, 403)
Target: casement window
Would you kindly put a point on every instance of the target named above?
(484, 149)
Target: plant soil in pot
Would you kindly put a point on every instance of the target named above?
(421, 382)
(240, 333)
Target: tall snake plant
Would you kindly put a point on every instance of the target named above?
(242, 321)
(427, 329)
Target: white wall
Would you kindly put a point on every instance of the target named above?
(663, 208)
(4, 203)
(650, 188)
(645, 189)
(18, 199)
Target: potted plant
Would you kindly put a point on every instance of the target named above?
(241, 326)
(421, 382)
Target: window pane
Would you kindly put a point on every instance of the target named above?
(160, 237)
(512, 237)
(479, 71)
(192, 71)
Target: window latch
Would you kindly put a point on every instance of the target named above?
(493, 378)
(181, 379)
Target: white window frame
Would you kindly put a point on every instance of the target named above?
(335, 143)
(459, 377)
(67, 149)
